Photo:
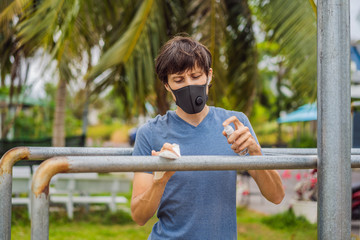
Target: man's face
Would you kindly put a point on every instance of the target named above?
(195, 76)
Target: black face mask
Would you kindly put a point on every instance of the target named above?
(191, 99)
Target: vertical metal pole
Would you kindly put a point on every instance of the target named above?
(6, 163)
(5, 206)
(334, 147)
(40, 216)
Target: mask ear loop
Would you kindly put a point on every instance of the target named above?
(208, 83)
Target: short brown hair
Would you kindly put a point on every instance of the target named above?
(180, 54)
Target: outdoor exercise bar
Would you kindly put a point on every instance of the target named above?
(334, 119)
(50, 167)
(43, 175)
(36, 153)
(41, 153)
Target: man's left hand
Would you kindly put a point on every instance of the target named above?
(241, 138)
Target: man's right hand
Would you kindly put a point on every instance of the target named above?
(147, 192)
(165, 175)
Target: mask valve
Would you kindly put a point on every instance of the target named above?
(199, 101)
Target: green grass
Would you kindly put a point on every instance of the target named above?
(253, 225)
(101, 224)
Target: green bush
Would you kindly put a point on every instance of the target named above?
(287, 220)
(305, 141)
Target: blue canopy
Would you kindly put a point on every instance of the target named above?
(355, 56)
(307, 112)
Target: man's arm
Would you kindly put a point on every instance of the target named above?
(270, 185)
(147, 192)
(268, 181)
(146, 197)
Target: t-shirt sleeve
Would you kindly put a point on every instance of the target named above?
(142, 141)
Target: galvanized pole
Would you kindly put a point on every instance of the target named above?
(40, 227)
(334, 146)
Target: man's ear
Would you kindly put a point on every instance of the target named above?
(210, 76)
(167, 87)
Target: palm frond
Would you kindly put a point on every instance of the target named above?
(292, 24)
(123, 48)
(10, 9)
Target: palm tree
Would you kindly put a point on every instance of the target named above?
(292, 26)
(211, 22)
(65, 30)
(12, 62)
(130, 33)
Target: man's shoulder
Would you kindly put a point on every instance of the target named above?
(156, 121)
(228, 113)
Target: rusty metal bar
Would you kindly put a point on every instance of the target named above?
(36, 153)
(40, 153)
(73, 164)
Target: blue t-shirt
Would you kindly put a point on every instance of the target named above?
(195, 204)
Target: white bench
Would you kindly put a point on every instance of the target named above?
(70, 189)
(21, 186)
(79, 190)
(21, 189)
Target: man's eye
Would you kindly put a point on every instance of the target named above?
(197, 76)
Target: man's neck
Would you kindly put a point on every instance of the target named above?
(193, 119)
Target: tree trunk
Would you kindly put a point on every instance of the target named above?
(161, 98)
(85, 120)
(279, 99)
(8, 116)
(58, 136)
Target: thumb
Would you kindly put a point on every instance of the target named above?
(154, 153)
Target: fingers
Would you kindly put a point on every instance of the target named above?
(154, 153)
(234, 120)
(251, 145)
(246, 144)
(242, 139)
(238, 134)
(167, 146)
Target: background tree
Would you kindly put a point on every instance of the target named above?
(128, 34)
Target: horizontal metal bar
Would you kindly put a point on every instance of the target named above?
(40, 153)
(47, 152)
(298, 151)
(355, 161)
(187, 163)
(78, 164)
(194, 163)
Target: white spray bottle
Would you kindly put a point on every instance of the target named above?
(229, 130)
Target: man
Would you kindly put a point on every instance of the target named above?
(194, 204)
